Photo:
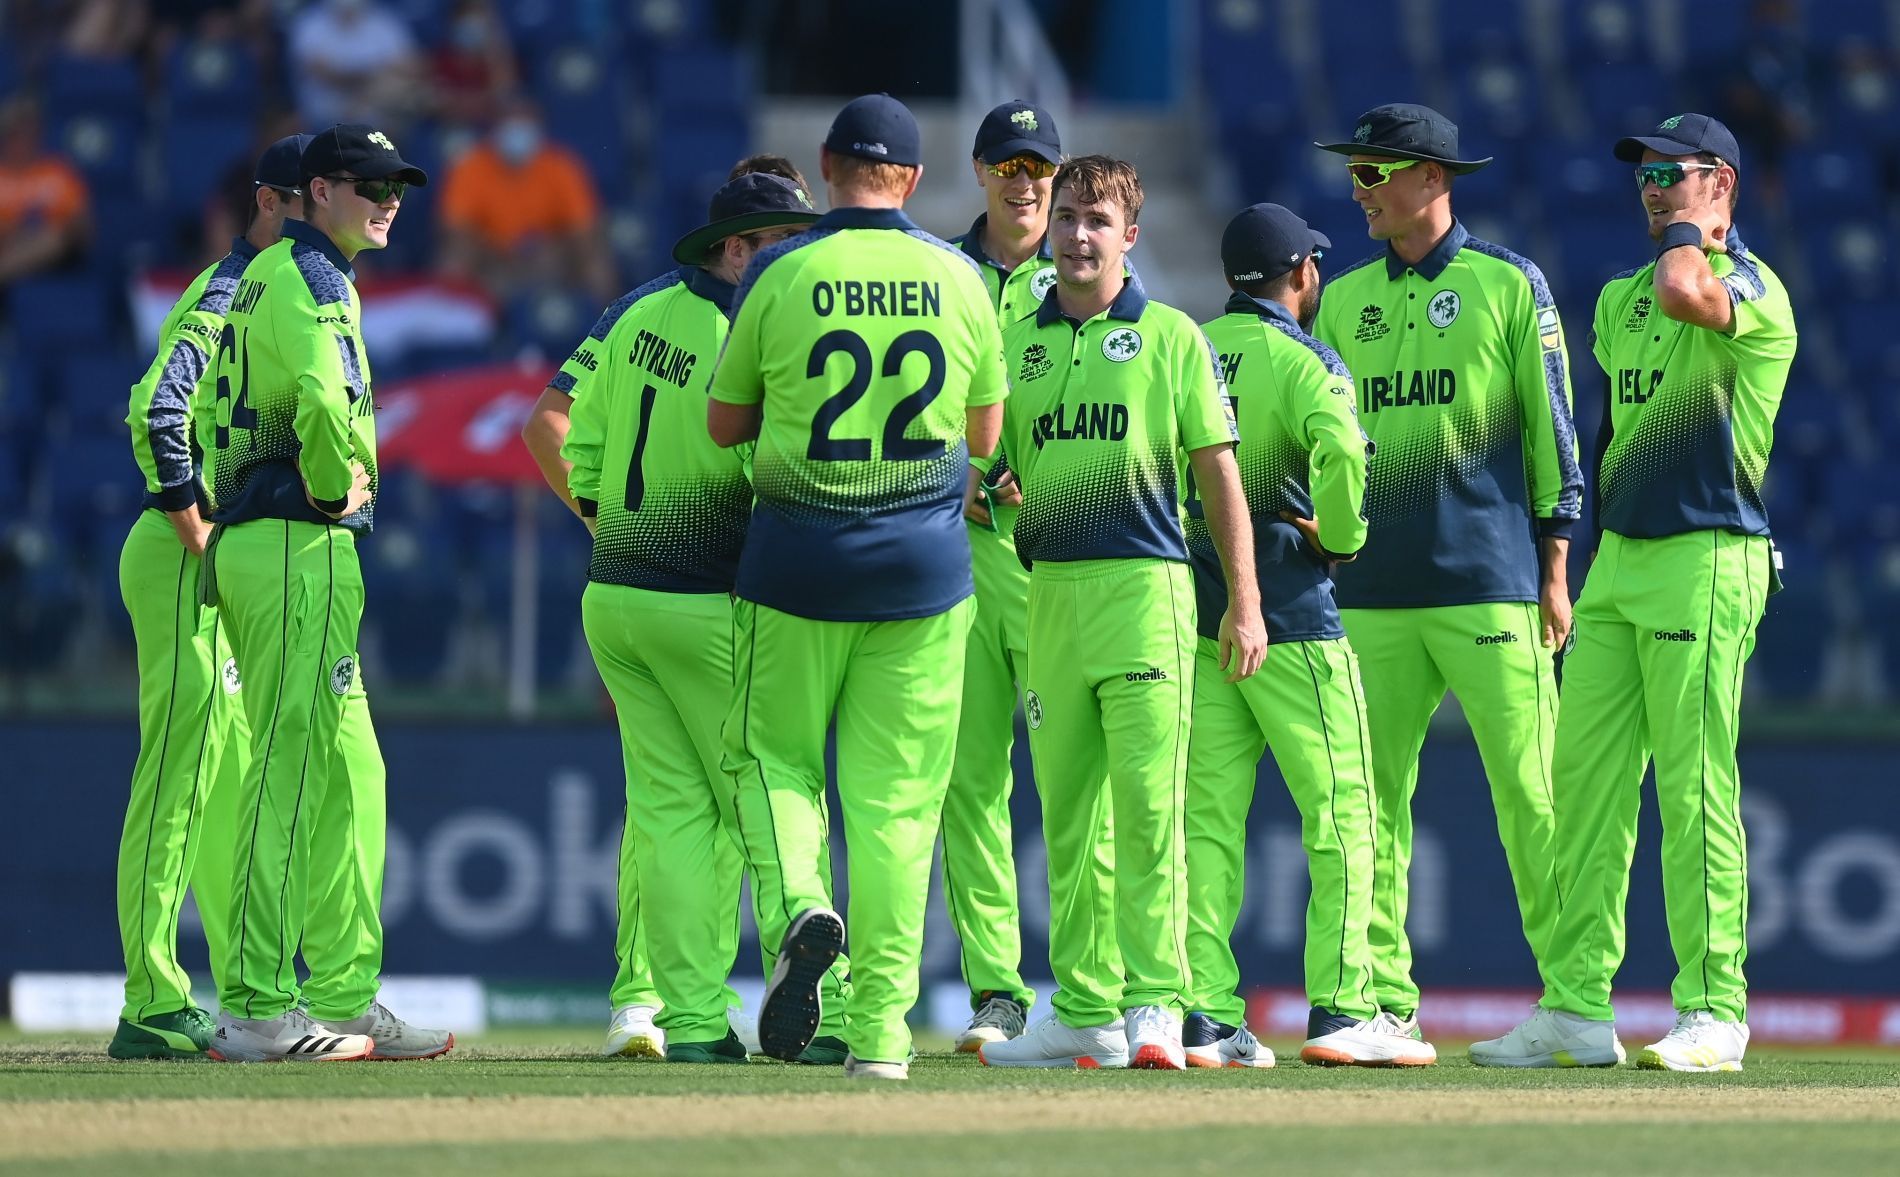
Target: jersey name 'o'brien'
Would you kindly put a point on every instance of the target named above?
(909, 298)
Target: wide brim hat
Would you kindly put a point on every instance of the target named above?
(1404, 131)
(756, 201)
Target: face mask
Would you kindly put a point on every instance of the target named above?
(517, 140)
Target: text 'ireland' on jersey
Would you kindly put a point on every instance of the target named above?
(1464, 389)
(1690, 413)
(290, 389)
(863, 341)
(670, 507)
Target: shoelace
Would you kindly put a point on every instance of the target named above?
(999, 1013)
(1149, 1021)
(1693, 1026)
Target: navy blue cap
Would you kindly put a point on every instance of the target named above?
(1684, 134)
(281, 165)
(756, 200)
(1017, 127)
(1402, 130)
(1265, 241)
(353, 149)
(879, 128)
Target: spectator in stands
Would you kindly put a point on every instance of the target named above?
(518, 210)
(474, 67)
(353, 61)
(44, 211)
(107, 29)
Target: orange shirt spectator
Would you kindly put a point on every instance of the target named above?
(46, 192)
(44, 217)
(503, 204)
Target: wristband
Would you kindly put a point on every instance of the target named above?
(1679, 234)
(982, 465)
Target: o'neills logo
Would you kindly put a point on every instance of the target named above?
(1496, 639)
(1152, 674)
(1675, 635)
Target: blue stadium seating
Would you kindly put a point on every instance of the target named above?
(583, 102)
(62, 310)
(196, 150)
(205, 77)
(82, 85)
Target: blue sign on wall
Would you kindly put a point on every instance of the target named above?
(503, 845)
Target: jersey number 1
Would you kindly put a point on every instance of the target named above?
(897, 448)
(637, 477)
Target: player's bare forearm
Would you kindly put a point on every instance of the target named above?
(1243, 632)
(731, 424)
(544, 433)
(983, 429)
(1687, 289)
(193, 531)
(1553, 602)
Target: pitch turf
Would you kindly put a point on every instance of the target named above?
(539, 1102)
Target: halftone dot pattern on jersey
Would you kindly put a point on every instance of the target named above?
(687, 534)
(1089, 509)
(820, 493)
(1474, 451)
(1686, 426)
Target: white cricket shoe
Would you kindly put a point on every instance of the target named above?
(1383, 1040)
(1154, 1039)
(856, 1068)
(289, 1037)
(1050, 1043)
(633, 1034)
(1552, 1038)
(1212, 1043)
(746, 1026)
(395, 1038)
(1699, 1042)
(998, 1019)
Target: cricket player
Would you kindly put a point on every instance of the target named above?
(631, 1029)
(864, 358)
(1697, 346)
(668, 511)
(192, 736)
(1475, 486)
(1302, 461)
(1113, 398)
(293, 460)
(1015, 156)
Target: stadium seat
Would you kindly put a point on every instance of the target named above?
(196, 150)
(105, 149)
(584, 104)
(209, 77)
(93, 489)
(63, 310)
(702, 81)
(85, 85)
(94, 387)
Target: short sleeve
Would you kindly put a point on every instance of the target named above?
(740, 377)
(1201, 405)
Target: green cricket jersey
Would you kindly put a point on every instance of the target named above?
(1015, 294)
(670, 506)
(1690, 414)
(159, 412)
(863, 340)
(290, 389)
(1463, 387)
(1100, 417)
(1301, 450)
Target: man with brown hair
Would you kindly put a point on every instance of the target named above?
(1113, 400)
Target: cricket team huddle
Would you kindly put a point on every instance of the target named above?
(844, 478)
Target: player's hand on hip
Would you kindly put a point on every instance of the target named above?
(1243, 643)
(1006, 491)
(976, 507)
(1553, 607)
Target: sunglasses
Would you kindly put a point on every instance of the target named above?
(1668, 175)
(1371, 175)
(1009, 169)
(374, 191)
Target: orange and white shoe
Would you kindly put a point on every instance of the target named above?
(1154, 1039)
(1211, 1043)
(1339, 1040)
(290, 1037)
(394, 1038)
(1050, 1043)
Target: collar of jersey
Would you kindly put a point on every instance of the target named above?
(863, 218)
(972, 243)
(316, 239)
(242, 247)
(1128, 305)
(1241, 303)
(709, 288)
(1432, 264)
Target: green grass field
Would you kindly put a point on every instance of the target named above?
(540, 1102)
